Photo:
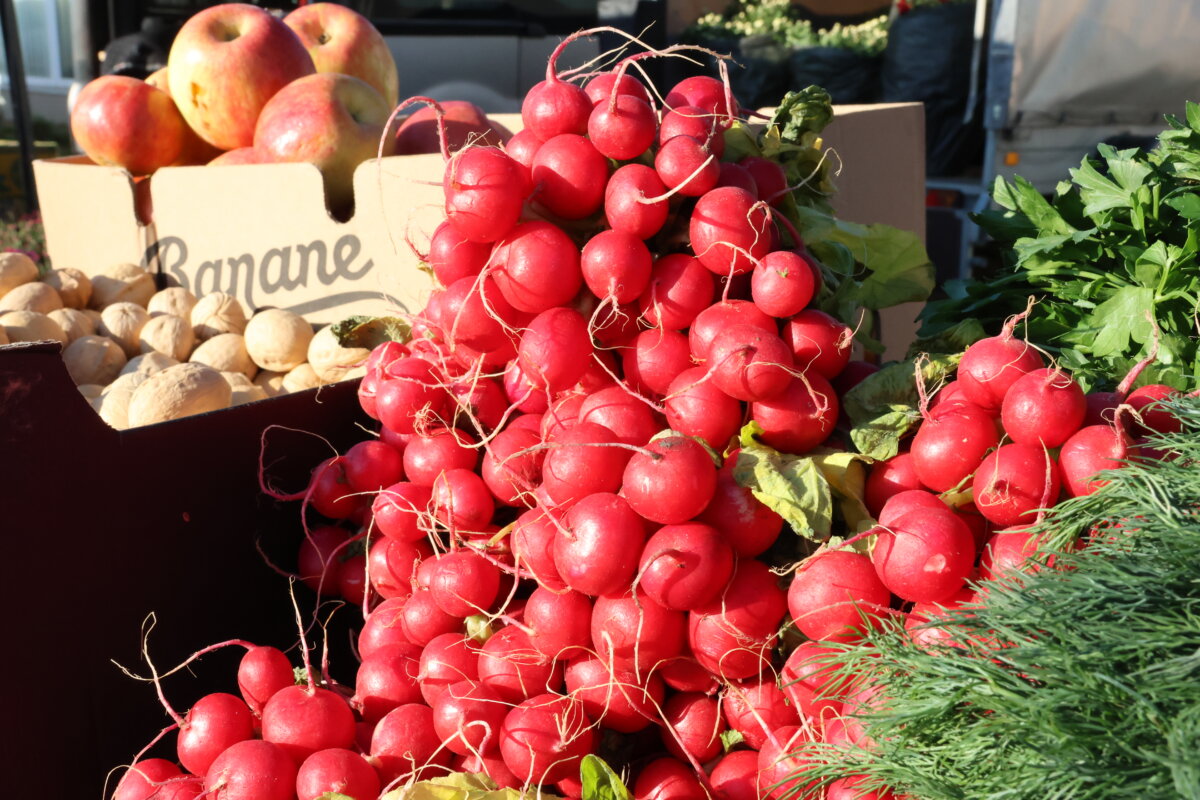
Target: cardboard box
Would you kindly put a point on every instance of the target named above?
(102, 528)
(261, 232)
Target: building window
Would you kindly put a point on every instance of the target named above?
(45, 28)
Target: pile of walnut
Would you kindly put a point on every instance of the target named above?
(141, 356)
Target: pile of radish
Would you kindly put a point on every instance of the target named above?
(546, 539)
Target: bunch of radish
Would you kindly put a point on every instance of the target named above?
(546, 538)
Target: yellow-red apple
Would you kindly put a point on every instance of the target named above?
(123, 122)
(465, 122)
(226, 63)
(195, 150)
(332, 121)
(241, 155)
(340, 39)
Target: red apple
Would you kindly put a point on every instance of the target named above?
(465, 122)
(332, 121)
(195, 150)
(340, 39)
(240, 155)
(226, 63)
(123, 122)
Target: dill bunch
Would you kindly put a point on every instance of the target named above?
(1078, 682)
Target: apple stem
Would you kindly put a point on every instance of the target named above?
(441, 123)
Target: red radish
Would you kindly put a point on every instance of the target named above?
(836, 595)
(405, 746)
(467, 717)
(685, 566)
(901, 503)
(447, 660)
(732, 636)
(923, 613)
(990, 366)
(853, 788)
(703, 126)
(370, 465)
(951, 443)
(625, 201)
(510, 468)
(570, 176)
(336, 771)
(147, 778)
(474, 313)
(634, 633)
(622, 128)
(559, 622)
(464, 583)
(600, 88)
(616, 265)
(671, 481)
(733, 175)
(430, 454)
(461, 500)
(423, 621)
(1089, 451)
(1145, 401)
(252, 770)
(694, 726)
(533, 546)
(481, 402)
(452, 256)
(399, 509)
(855, 373)
(770, 178)
(536, 267)
(684, 674)
(555, 349)
(809, 679)
(491, 765)
(214, 723)
(750, 364)
(1044, 406)
(408, 391)
(925, 555)
(1013, 482)
(667, 779)
(887, 478)
(521, 391)
(707, 94)
(614, 700)
(317, 561)
(799, 419)
(780, 767)
(949, 394)
(735, 777)
(383, 626)
(262, 672)
(303, 720)
(1101, 408)
(819, 342)
(1008, 552)
(696, 407)
(626, 416)
(485, 191)
(729, 230)
(513, 668)
(331, 494)
(756, 708)
(655, 359)
(553, 106)
(596, 551)
(687, 166)
(522, 147)
(680, 288)
(390, 565)
(719, 317)
(782, 283)
(748, 525)
(584, 460)
(544, 738)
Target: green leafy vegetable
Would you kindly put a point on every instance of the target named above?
(369, 332)
(1114, 248)
(599, 781)
(884, 407)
